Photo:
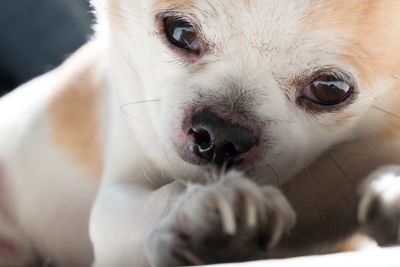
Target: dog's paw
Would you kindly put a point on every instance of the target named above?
(231, 220)
(379, 210)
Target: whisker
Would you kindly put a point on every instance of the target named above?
(145, 167)
(148, 177)
(385, 111)
(341, 170)
(278, 183)
(123, 107)
(174, 171)
(224, 168)
(214, 173)
(140, 102)
(164, 176)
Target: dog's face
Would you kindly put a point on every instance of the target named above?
(261, 85)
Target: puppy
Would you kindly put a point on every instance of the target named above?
(196, 132)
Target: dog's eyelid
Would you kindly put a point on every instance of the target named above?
(310, 75)
(335, 72)
(186, 16)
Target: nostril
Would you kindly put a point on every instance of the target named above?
(230, 150)
(203, 145)
(202, 138)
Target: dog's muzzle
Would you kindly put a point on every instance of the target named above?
(218, 140)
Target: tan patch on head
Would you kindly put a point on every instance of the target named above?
(369, 31)
(73, 111)
(181, 4)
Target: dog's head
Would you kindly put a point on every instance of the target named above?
(261, 85)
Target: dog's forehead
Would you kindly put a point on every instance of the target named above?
(270, 25)
(362, 33)
(239, 15)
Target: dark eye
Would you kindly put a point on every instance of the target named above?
(327, 90)
(182, 34)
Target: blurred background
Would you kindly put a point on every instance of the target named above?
(37, 35)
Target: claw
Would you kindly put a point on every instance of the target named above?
(227, 215)
(277, 232)
(251, 212)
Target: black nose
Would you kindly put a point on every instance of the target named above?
(220, 141)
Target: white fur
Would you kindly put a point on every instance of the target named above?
(260, 49)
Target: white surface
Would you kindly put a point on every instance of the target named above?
(370, 258)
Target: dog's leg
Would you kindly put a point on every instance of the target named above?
(231, 220)
(121, 219)
(15, 249)
(379, 210)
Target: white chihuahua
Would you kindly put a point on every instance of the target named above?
(207, 131)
